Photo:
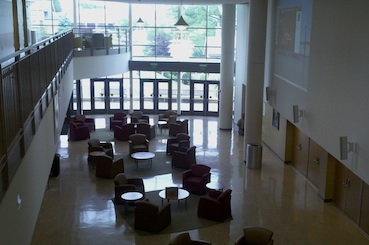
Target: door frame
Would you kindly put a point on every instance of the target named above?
(156, 96)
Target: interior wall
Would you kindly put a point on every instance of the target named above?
(335, 98)
(100, 66)
(22, 201)
(240, 57)
(275, 135)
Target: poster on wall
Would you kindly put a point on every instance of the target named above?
(292, 41)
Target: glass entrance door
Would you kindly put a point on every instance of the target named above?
(155, 95)
(204, 98)
(106, 95)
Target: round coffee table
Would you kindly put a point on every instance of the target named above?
(182, 194)
(144, 155)
(130, 196)
(215, 186)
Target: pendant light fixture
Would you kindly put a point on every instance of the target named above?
(181, 23)
(139, 21)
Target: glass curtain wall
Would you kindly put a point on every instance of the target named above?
(155, 37)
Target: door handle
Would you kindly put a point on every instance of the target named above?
(299, 147)
(316, 160)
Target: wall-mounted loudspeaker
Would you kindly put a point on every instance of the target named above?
(269, 93)
(296, 114)
(343, 148)
(346, 147)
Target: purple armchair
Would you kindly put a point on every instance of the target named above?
(118, 118)
(216, 206)
(146, 129)
(178, 127)
(124, 131)
(255, 235)
(106, 167)
(149, 217)
(138, 143)
(78, 131)
(138, 116)
(89, 122)
(184, 159)
(195, 179)
(181, 142)
(124, 184)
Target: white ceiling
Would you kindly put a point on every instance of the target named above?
(184, 2)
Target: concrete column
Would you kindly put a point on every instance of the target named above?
(255, 72)
(227, 67)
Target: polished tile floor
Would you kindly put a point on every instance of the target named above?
(77, 208)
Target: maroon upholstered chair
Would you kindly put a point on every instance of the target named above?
(138, 116)
(216, 206)
(146, 129)
(107, 168)
(96, 145)
(180, 143)
(138, 143)
(124, 131)
(184, 159)
(165, 116)
(78, 131)
(185, 239)
(89, 122)
(124, 184)
(118, 118)
(149, 217)
(178, 127)
(195, 179)
(255, 235)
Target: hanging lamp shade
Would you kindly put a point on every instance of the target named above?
(181, 24)
(140, 21)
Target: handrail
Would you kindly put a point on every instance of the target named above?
(28, 85)
(33, 47)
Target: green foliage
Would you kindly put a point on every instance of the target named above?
(186, 78)
(162, 41)
(64, 24)
(57, 7)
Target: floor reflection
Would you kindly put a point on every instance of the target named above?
(77, 206)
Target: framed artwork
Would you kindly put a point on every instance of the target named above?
(275, 121)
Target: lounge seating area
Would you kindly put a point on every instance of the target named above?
(226, 164)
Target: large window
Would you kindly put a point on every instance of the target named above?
(155, 37)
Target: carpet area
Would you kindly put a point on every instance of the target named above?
(161, 164)
(183, 219)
